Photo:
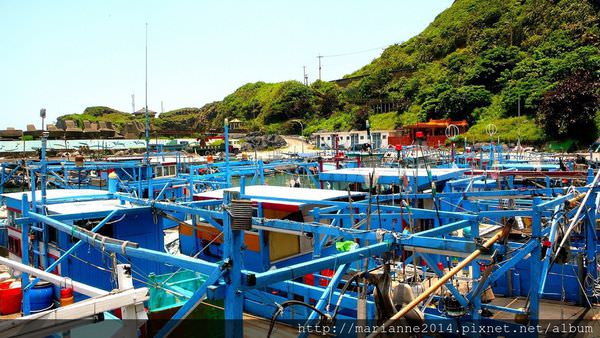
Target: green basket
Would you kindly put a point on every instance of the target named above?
(184, 282)
(163, 304)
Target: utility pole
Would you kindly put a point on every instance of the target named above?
(305, 76)
(132, 103)
(162, 107)
(319, 57)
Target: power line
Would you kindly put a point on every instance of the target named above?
(350, 53)
(359, 51)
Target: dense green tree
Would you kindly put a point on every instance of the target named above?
(328, 97)
(568, 110)
(293, 100)
(490, 65)
(359, 118)
(458, 103)
(373, 85)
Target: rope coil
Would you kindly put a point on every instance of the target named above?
(123, 246)
(93, 237)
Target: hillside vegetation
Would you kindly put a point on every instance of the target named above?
(478, 58)
(475, 61)
(99, 113)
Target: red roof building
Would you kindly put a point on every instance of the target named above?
(434, 132)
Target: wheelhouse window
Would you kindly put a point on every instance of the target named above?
(14, 245)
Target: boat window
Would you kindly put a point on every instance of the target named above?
(50, 261)
(106, 230)
(52, 235)
(295, 216)
(14, 245)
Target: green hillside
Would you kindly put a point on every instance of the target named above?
(475, 61)
(99, 113)
(478, 58)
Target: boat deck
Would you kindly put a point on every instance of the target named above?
(390, 175)
(263, 193)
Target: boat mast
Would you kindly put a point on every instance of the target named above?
(146, 103)
(519, 124)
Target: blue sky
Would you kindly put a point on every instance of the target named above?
(68, 55)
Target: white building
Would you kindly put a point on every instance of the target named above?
(347, 139)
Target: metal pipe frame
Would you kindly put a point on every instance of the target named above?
(180, 261)
(339, 226)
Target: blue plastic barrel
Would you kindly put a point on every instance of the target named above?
(41, 297)
(516, 284)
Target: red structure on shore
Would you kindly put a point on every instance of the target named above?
(434, 132)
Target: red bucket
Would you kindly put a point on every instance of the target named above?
(326, 273)
(11, 301)
(309, 279)
(6, 284)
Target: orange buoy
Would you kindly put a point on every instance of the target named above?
(66, 296)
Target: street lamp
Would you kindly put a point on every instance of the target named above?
(301, 132)
(43, 116)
